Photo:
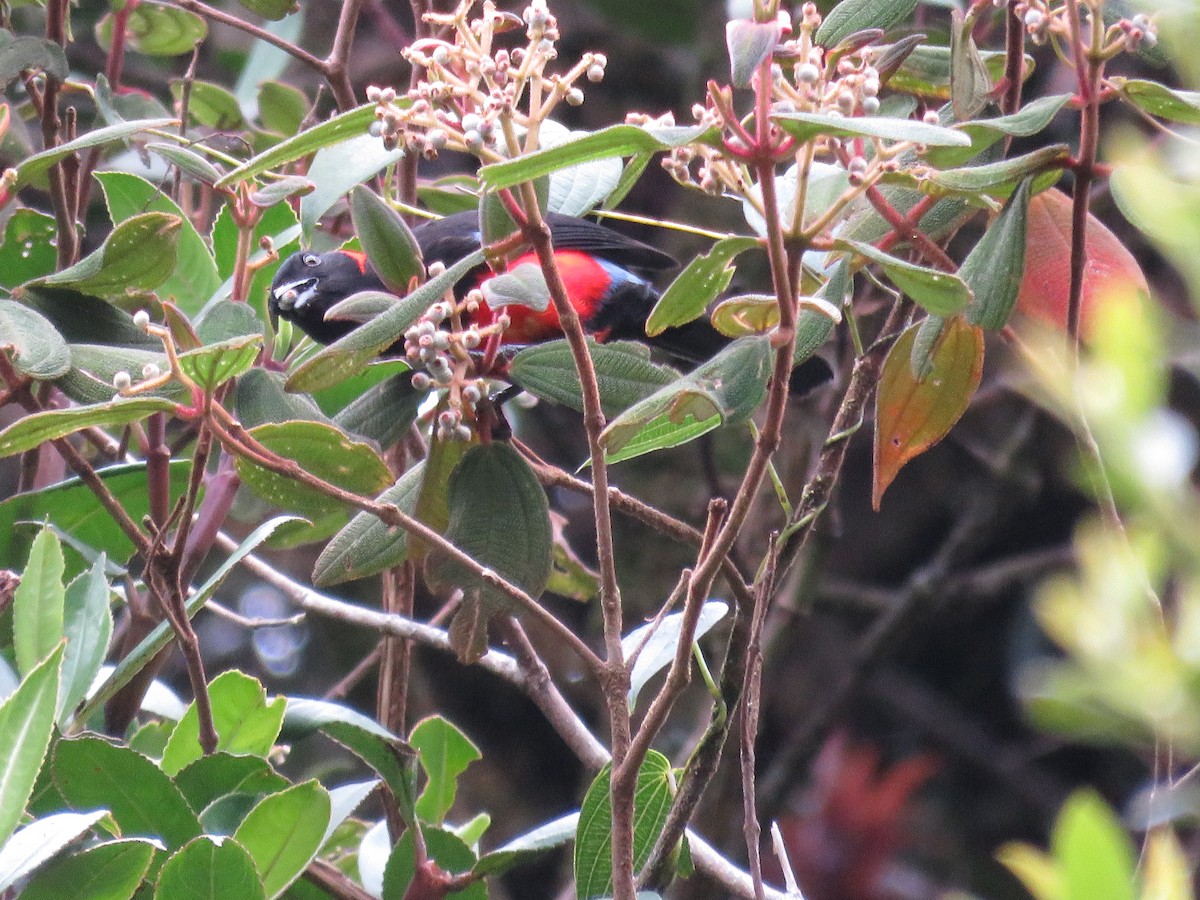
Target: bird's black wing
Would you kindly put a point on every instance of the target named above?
(450, 239)
(570, 233)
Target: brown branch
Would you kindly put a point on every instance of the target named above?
(337, 64)
(216, 15)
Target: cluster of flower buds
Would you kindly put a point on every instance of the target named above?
(1140, 31)
(1044, 18)
(439, 345)
(471, 86)
(803, 80)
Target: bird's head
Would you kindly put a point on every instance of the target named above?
(307, 284)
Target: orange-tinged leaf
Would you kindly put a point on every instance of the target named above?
(911, 414)
(1045, 290)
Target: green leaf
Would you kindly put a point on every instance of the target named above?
(445, 848)
(283, 833)
(925, 71)
(528, 846)
(383, 751)
(81, 319)
(593, 840)
(37, 428)
(38, 603)
(40, 841)
(28, 250)
(657, 642)
(246, 723)
(27, 52)
(323, 451)
(88, 628)
(109, 871)
(1094, 853)
(499, 517)
(39, 351)
(343, 801)
(139, 255)
(575, 190)
(260, 398)
(914, 413)
(72, 507)
(195, 277)
(26, 721)
(1159, 100)
(282, 107)
(281, 190)
(970, 83)
(726, 389)
(36, 166)
(211, 777)
(204, 869)
(384, 412)
(349, 354)
(190, 163)
(995, 266)
(701, 282)
(224, 320)
(387, 241)
(210, 105)
(367, 546)
(623, 369)
(338, 168)
(1046, 162)
(90, 773)
(444, 753)
(328, 133)
(213, 365)
(806, 126)
(271, 9)
(749, 44)
(162, 634)
(523, 285)
(851, 16)
(94, 366)
(156, 29)
(1032, 118)
(941, 293)
(616, 140)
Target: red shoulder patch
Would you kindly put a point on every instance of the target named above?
(359, 257)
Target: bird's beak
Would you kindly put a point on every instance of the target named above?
(295, 295)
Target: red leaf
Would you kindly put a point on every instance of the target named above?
(1111, 269)
(911, 414)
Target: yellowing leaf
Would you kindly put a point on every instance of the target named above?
(912, 414)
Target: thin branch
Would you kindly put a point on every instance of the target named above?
(216, 15)
(572, 729)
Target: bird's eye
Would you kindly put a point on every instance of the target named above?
(311, 259)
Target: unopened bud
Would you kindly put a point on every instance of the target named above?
(141, 319)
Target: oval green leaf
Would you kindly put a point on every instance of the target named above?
(283, 833)
(387, 241)
(938, 292)
(91, 773)
(38, 350)
(321, 450)
(204, 869)
(367, 546)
